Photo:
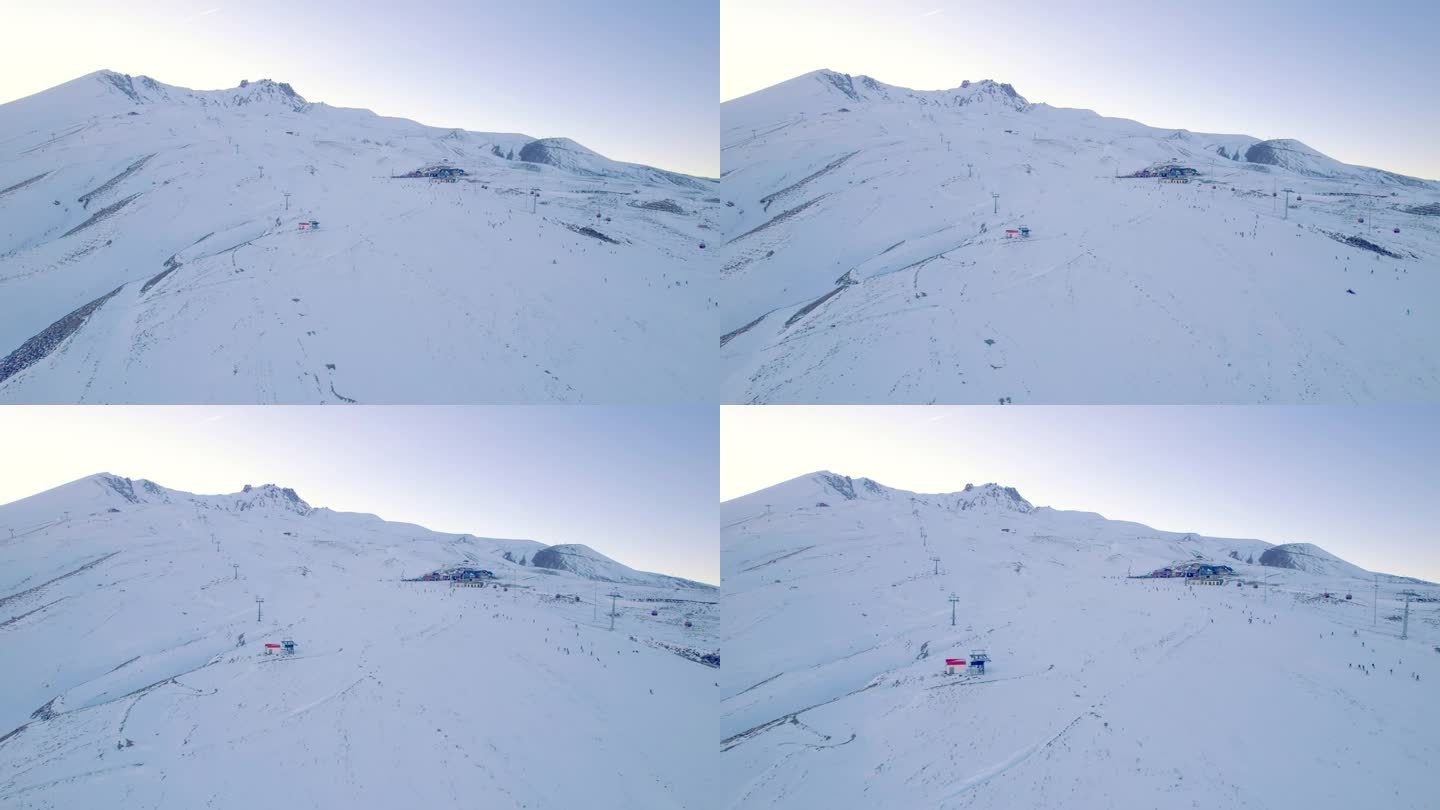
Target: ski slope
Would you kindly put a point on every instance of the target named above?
(135, 672)
(866, 260)
(1102, 691)
(149, 253)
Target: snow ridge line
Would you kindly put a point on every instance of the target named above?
(796, 186)
(23, 183)
(781, 217)
(729, 336)
(774, 560)
(101, 215)
(7, 600)
(49, 339)
(85, 199)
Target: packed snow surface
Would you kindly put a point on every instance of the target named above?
(1102, 691)
(136, 673)
(156, 246)
(868, 258)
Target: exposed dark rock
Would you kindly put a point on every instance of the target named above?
(40, 346)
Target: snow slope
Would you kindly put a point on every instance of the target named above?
(149, 253)
(867, 261)
(1102, 691)
(135, 673)
(1309, 558)
(588, 563)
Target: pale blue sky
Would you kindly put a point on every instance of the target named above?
(635, 483)
(632, 79)
(1359, 481)
(1356, 80)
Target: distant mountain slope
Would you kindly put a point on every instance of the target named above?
(586, 562)
(873, 253)
(136, 666)
(1100, 690)
(152, 250)
(1311, 559)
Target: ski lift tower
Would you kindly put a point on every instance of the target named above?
(1405, 626)
(953, 600)
(259, 600)
(936, 560)
(995, 195)
(614, 594)
(534, 196)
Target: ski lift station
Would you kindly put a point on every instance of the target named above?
(1167, 171)
(286, 647)
(461, 574)
(974, 664)
(1201, 570)
(437, 172)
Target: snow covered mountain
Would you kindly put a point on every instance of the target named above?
(1311, 559)
(156, 246)
(136, 671)
(586, 562)
(873, 253)
(1101, 690)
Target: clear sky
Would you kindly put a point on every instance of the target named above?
(1356, 80)
(632, 79)
(1360, 482)
(635, 483)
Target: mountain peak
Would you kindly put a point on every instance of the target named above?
(586, 562)
(268, 88)
(142, 491)
(138, 89)
(127, 488)
(846, 487)
(1310, 558)
(861, 88)
(270, 495)
(145, 90)
(994, 495)
(561, 153)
